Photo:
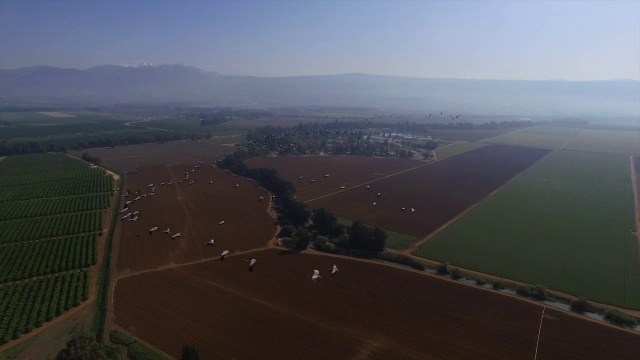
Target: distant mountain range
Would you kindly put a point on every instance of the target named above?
(187, 85)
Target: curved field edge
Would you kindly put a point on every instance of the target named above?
(563, 223)
(226, 312)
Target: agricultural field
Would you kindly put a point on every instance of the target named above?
(39, 168)
(457, 149)
(546, 137)
(128, 158)
(607, 141)
(367, 310)
(13, 231)
(51, 213)
(26, 260)
(437, 192)
(563, 223)
(27, 125)
(54, 206)
(350, 171)
(29, 304)
(192, 126)
(195, 211)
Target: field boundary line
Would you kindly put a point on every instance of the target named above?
(371, 182)
(539, 331)
(569, 141)
(507, 133)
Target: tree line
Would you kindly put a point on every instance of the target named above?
(295, 217)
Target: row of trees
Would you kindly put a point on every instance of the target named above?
(56, 206)
(14, 231)
(71, 187)
(63, 146)
(30, 304)
(49, 176)
(294, 215)
(27, 260)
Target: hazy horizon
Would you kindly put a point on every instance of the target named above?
(498, 40)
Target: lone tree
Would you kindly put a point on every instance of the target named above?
(189, 352)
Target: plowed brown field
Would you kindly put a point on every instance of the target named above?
(343, 170)
(568, 337)
(128, 158)
(366, 311)
(195, 211)
(438, 192)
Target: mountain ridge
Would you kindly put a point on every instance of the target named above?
(171, 83)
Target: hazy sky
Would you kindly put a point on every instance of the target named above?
(539, 40)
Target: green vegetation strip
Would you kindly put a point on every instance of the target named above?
(29, 304)
(100, 314)
(564, 223)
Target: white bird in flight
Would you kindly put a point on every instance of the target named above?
(223, 254)
(252, 263)
(334, 270)
(316, 275)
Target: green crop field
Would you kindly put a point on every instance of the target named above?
(51, 210)
(547, 137)
(607, 141)
(457, 149)
(192, 126)
(563, 223)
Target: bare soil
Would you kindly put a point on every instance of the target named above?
(195, 211)
(366, 310)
